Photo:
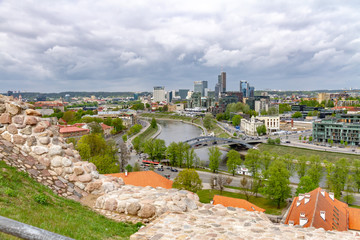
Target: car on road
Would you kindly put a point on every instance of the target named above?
(174, 170)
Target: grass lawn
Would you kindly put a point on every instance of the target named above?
(66, 217)
(168, 116)
(270, 207)
(282, 150)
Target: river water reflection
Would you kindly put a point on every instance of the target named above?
(176, 131)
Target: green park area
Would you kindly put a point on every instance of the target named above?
(323, 155)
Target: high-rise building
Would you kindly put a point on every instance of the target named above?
(183, 93)
(217, 91)
(222, 82)
(246, 89)
(199, 86)
(169, 96)
(159, 94)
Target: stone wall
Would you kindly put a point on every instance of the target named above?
(32, 144)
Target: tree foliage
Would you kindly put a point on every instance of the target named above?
(233, 160)
(188, 179)
(236, 120)
(208, 121)
(214, 158)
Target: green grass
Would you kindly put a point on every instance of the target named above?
(270, 207)
(25, 200)
(148, 133)
(282, 150)
(354, 206)
(168, 116)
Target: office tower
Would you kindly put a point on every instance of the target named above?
(251, 91)
(217, 91)
(169, 96)
(159, 94)
(244, 88)
(183, 93)
(222, 82)
(199, 86)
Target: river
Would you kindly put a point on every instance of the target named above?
(176, 131)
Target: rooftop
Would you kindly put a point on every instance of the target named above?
(235, 202)
(72, 129)
(144, 178)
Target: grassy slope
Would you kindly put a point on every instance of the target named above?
(271, 208)
(282, 150)
(62, 216)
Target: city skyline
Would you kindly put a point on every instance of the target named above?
(121, 46)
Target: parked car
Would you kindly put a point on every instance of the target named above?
(174, 170)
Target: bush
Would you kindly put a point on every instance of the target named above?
(41, 199)
(10, 192)
(271, 141)
(188, 179)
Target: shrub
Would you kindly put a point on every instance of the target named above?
(10, 192)
(41, 199)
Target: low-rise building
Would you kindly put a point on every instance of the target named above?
(343, 128)
(249, 126)
(73, 132)
(235, 202)
(272, 123)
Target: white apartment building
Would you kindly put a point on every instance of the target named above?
(159, 94)
(249, 126)
(272, 123)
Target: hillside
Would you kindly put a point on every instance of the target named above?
(25, 200)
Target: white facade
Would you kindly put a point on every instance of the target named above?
(272, 123)
(159, 94)
(250, 126)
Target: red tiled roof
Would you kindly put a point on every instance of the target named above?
(104, 126)
(144, 178)
(310, 208)
(354, 218)
(72, 129)
(236, 202)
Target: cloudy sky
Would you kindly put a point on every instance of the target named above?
(83, 45)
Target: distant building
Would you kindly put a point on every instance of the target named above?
(263, 101)
(136, 96)
(272, 123)
(344, 128)
(195, 100)
(323, 97)
(169, 96)
(159, 94)
(246, 89)
(106, 129)
(183, 93)
(222, 82)
(249, 126)
(200, 86)
(73, 132)
(50, 105)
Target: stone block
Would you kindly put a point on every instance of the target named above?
(12, 129)
(32, 112)
(5, 118)
(85, 178)
(66, 162)
(39, 150)
(147, 211)
(17, 139)
(78, 170)
(31, 120)
(57, 161)
(12, 108)
(18, 119)
(55, 150)
(27, 130)
(44, 140)
(133, 208)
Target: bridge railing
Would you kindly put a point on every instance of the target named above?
(25, 231)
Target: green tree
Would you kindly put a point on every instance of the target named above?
(284, 107)
(214, 158)
(105, 163)
(273, 111)
(124, 137)
(190, 155)
(180, 153)
(356, 172)
(261, 130)
(117, 123)
(153, 123)
(277, 141)
(188, 179)
(338, 176)
(277, 187)
(301, 166)
(289, 161)
(315, 170)
(297, 115)
(305, 185)
(95, 127)
(253, 163)
(265, 161)
(95, 142)
(69, 116)
(310, 139)
(171, 153)
(236, 120)
(233, 161)
(129, 168)
(329, 167)
(349, 189)
(155, 148)
(300, 137)
(208, 121)
(136, 167)
(271, 141)
(136, 143)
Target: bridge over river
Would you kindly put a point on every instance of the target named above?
(205, 141)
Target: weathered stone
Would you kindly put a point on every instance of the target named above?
(18, 119)
(59, 170)
(95, 174)
(147, 211)
(17, 139)
(55, 150)
(55, 141)
(6, 136)
(33, 172)
(133, 208)
(44, 140)
(31, 120)
(57, 161)
(12, 108)
(69, 152)
(5, 118)
(85, 178)
(31, 141)
(38, 129)
(93, 186)
(190, 204)
(2, 108)
(12, 129)
(32, 112)
(79, 185)
(66, 162)
(27, 130)
(78, 170)
(68, 170)
(110, 204)
(39, 150)
(60, 184)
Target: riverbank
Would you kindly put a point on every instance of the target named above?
(149, 116)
